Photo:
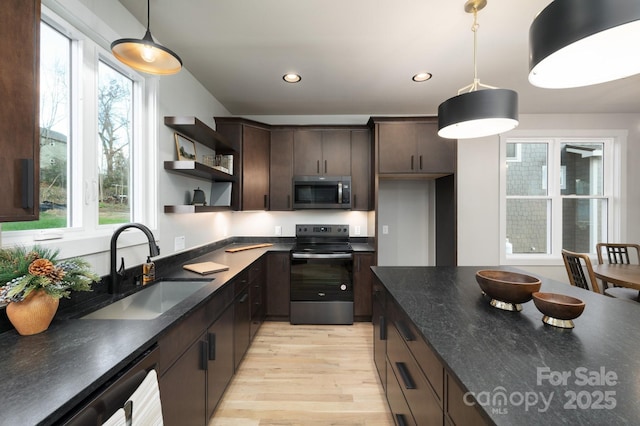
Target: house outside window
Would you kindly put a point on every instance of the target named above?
(557, 193)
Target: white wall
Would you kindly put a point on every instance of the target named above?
(479, 189)
(405, 207)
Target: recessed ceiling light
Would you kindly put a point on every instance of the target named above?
(291, 78)
(421, 76)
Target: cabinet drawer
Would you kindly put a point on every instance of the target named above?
(422, 401)
(397, 403)
(459, 413)
(256, 270)
(425, 357)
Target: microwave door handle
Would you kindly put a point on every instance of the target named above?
(339, 192)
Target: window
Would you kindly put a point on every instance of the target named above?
(95, 115)
(556, 195)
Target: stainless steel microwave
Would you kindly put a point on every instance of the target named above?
(322, 192)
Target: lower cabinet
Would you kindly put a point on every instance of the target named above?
(378, 318)
(278, 283)
(419, 390)
(256, 295)
(241, 324)
(220, 366)
(362, 278)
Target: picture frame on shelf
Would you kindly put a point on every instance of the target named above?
(185, 148)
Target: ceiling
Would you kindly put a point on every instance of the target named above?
(358, 56)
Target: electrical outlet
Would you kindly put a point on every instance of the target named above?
(385, 229)
(278, 230)
(356, 230)
(179, 243)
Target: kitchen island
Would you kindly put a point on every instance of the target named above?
(509, 367)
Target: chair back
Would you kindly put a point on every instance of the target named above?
(580, 271)
(617, 252)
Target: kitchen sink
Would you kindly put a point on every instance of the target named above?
(149, 303)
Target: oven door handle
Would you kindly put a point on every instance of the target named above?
(321, 256)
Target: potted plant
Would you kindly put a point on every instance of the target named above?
(32, 281)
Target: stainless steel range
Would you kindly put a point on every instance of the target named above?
(322, 275)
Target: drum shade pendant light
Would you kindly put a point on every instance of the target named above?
(576, 43)
(478, 110)
(145, 54)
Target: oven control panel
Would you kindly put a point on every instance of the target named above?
(322, 230)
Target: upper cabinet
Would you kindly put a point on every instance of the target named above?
(252, 142)
(281, 170)
(322, 152)
(361, 175)
(19, 119)
(412, 146)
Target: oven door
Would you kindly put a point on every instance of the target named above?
(322, 277)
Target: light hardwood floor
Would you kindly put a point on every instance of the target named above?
(306, 375)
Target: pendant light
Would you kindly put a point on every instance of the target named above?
(576, 43)
(479, 110)
(145, 54)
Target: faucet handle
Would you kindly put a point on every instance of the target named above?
(121, 270)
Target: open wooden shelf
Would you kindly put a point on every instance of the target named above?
(200, 132)
(195, 209)
(199, 170)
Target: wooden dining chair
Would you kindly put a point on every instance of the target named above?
(576, 265)
(619, 253)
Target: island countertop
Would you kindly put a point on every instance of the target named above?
(585, 375)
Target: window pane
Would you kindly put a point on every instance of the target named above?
(584, 224)
(55, 77)
(528, 175)
(582, 169)
(115, 131)
(528, 225)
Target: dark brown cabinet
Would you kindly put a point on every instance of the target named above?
(256, 295)
(278, 285)
(19, 119)
(361, 166)
(251, 166)
(322, 152)
(413, 147)
(281, 170)
(220, 366)
(242, 319)
(379, 321)
(362, 291)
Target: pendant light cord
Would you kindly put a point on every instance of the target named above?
(474, 28)
(148, 14)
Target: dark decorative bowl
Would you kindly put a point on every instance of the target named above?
(558, 309)
(507, 289)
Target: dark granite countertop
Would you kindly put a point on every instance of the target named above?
(47, 374)
(494, 352)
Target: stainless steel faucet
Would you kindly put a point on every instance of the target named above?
(117, 275)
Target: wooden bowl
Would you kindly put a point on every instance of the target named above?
(507, 289)
(558, 309)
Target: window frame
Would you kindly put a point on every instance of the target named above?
(88, 48)
(614, 169)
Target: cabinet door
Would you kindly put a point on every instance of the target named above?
(307, 152)
(435, 154)
(278, 283)
(336, 153)
(397, 148)
(362, 277)
(220, 354)
(281, 170)
(182, 388)
(241, 326)
(255, 168)
(361, 184)
(397, 403)
(19, 120)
